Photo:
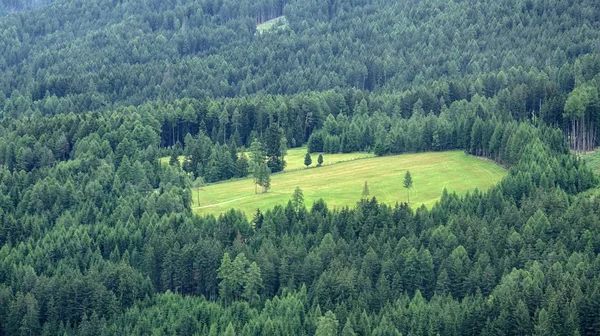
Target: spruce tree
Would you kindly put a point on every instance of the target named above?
(307, 160)
(320, 160)
(408, 182)
(174, 159)
(365, 191)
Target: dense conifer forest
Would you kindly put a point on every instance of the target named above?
(98, 237)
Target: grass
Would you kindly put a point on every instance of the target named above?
(341, 184)
(165, 159)
(295, 158)
(267, 25)
(592, 160)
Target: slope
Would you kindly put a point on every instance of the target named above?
(341, 184)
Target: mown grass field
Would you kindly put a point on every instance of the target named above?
(341, 184)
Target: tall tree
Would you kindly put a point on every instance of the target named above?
(365, 191)
(257, 161)
(327, 325)
(174, 159)
(275, 147)
(262, 177)
(407, 184)
(298, 199)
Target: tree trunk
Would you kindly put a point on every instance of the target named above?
(573, 140)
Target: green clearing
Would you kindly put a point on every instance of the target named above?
(341, 184)
(295, 158)
(267, 25)
(166, 159)
(592, 160)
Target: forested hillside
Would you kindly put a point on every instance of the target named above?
(99, 238)
(11, 6)
(101, 52)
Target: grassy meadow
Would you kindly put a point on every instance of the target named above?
(166, 159)
(295, 158)
(271, 23)
(592, 160)
(341, 184)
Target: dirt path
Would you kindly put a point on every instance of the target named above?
(217, 204)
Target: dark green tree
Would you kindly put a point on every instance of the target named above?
(274, 149)
(307, 160)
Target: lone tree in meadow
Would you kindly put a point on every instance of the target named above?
(307, 160)
(365, 192)
(320, 160)
(262, 177)
(408, 182)
(258, 167)
(198, 183)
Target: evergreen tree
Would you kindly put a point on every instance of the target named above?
(298, 199)
(274, 148)
(198, 183)
(320, 160)
(174, 159)
(252, 283)
(307, 159)
(230, 330)
(242, 166)
(262, 177)
(327, 325)
(365, 191)
(407, 184)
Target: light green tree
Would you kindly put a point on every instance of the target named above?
(327, 325)
(408, 182)
(365, 191)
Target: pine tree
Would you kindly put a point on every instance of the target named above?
(230, 330)
(320, 160)
(227, 284)
(408, 182)
(275, 147)
(263, 177)
(242, 166)
(307, 159)
(198, 183)
(348, 331)
(327, 325)
(266, 179)
(365, 191)
(174, 159)
(252, 283)
(298, 199)
(257, 161)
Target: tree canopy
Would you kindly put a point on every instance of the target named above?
(112, 111)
